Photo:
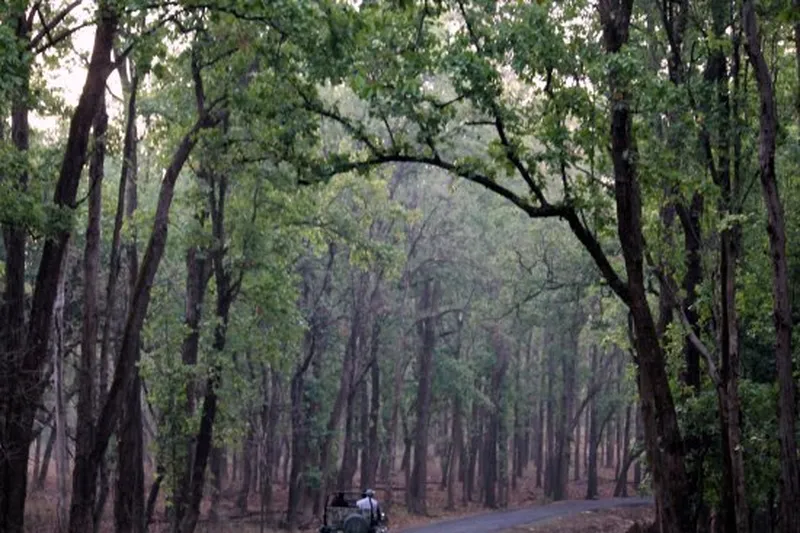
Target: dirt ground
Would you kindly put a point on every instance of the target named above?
(41, 507)
(620, 520)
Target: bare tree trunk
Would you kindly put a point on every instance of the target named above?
(578, 456)
(12, 304)
(340, 403)
(61, 444)
(549, 457)
(227, 290)
(494, 469)
(84, 490)
(350, 453)
(44, 469)
(782, 310)
(593, 434)
(197, 276)
(373, 440)
(457, 431)
(621, 490)
(796, 5)
(540, 423)
(426, 329)
(637, 469)
(216, 468)
(129, 505)
(247, 456)
(474, 450)
(301, 414)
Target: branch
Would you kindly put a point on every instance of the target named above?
(47, 27)
(533, 211)
(698, 344)
(592, 245)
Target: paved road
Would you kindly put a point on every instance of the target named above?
(495, 521)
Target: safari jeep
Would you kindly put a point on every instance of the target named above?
(342, 515)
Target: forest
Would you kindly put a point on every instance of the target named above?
(473, 254)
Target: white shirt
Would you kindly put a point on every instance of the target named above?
(367, 504)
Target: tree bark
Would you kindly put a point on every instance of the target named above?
(125, 369)
(61, 443)
(457, 431)
(593, 435)
(550, 435)
(350, 452)
(621, 490)
(776, 229)
(247, 456)
(426, 330)
(540, 421)
(198, 272)
(493, 437)
(303, 410)
(14, 439)
(83, 487)
(21, 396)
(662, 434)
(372, 446)
(227, 289)
(474, 449)
(130, 515)
(341, 401)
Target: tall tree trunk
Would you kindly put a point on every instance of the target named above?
(350, 452)
(662, 434)
(247, 456)
(124, 371)
(128, 504)
(340, 403)
(21, 396)
(776, 229)
(549, 456)
(227, 289)
(426, 330)
(796, 5)
(593, 434)
(205, 434)
(84, 488)
(540, 422)
(565, 416)
(372, 446)
(457, 430)
(44, 469)
(61, 443)
(621, 490)
(90, 312)
(474, 449)
(457, 437)
(494, 465)
(216, 468)
(303, 410)
(13, 440)
(197, 276)
(578, 456)
(272, 445)
(637, 469)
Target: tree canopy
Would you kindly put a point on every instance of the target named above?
(462, 251)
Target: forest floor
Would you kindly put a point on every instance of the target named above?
(526, 505)
(612, 520)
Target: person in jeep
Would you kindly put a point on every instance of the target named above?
(369, 503)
